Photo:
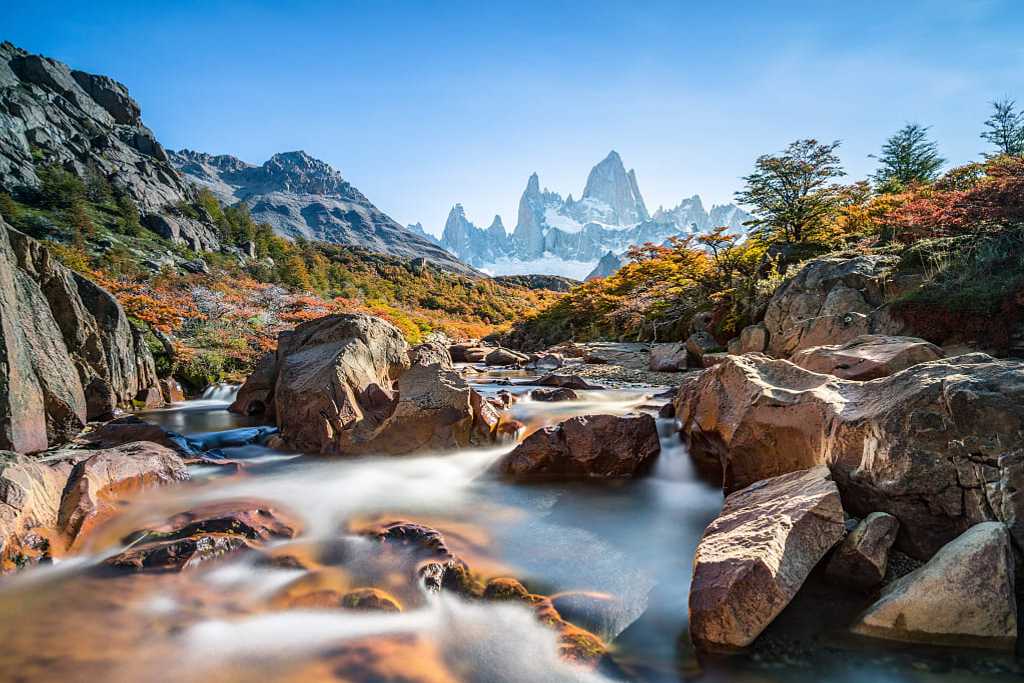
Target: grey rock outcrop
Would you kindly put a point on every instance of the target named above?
(86, 124)
(301, 196)
(69, 353)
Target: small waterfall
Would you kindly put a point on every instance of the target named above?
(221, 391)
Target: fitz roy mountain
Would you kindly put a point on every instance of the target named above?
(304, 197)
(569, 237)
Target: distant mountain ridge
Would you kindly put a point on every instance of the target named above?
(568, 237)
(301, 196)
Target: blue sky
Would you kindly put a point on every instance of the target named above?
(424, 104)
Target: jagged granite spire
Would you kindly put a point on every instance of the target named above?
(610, 184)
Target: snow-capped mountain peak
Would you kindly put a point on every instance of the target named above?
(568, 237)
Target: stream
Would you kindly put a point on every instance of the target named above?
(628, 545)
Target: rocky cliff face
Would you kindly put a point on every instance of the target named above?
(67, 351)
(569, 236)
(302, 196)
(52, 114)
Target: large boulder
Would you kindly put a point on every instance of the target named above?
(586, 447)
(963, 596)
(862, 558)
(99, 478)
(700, 344)
(348, 384)
(825, 298)
(753, 558)
(867, 357)
(68, 350)
(330, 380)
(434, 411)
(936, 445)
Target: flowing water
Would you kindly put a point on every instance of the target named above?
(626, 547)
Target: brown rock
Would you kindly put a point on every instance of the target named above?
(565, 381)
(331, 381)
(668, 357)
(700, 343)
(370, 600)
(30, 493)
(861, 559)
(101, 477)
(553, 394)
(150, 397)
(867, 357)
(829, 289)
(586, 447)
(963, 596)
(430, 353)
(754, 339)
(468, 352)
(505, 357)
(171, 390)
(130, 428)
(756, 554)
(256, 396)
(179, 554)
(936, 445)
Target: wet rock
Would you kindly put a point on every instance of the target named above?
(935, 445)
(99, 478)
(553, 394)
(149, 398)
(256, 522)
(505, 357)
(574, 643)
(171, 390)
(256, 396)
(130, 428)
(668, 357)
(504, 588)
(867, 357)
(179, 554)
(546, 361)
(565, 381)
(753, 558)
(862, 558)
(435, 410)
(370, 600)
(963, 596)
(30, 494)
(436, 567)
(586, 447)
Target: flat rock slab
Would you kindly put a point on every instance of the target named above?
(962, 596)
(756, 554)
(867, 357)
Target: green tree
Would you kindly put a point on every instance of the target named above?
(128, 216)
(59, 188)
(1005, 128)
(97, 187)
(907, 157)
(791, 194)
